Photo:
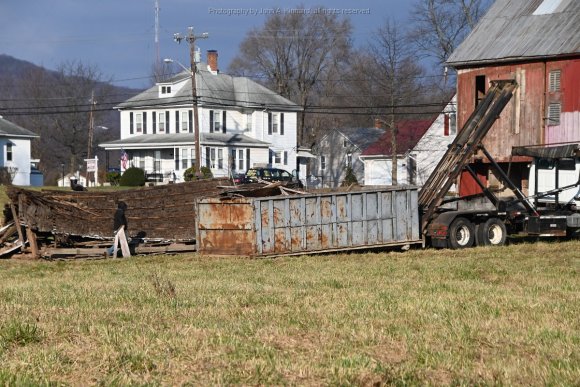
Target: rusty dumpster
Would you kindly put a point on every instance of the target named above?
(309, 223)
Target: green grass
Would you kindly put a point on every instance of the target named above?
(488, 316)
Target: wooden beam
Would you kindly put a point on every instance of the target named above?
(31, 236)
(17, 222)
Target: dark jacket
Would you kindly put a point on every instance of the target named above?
(120, 219)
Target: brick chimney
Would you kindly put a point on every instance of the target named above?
(212, 60)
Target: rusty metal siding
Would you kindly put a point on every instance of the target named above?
(309, 223)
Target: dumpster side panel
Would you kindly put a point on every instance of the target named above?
(225, 227)
(309, 223)
(342, 220)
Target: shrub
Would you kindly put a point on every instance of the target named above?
(133, 177)
(189, 173)
(113, 177)
(350, 178)
(5, 176)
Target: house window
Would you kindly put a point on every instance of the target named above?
(479, 88)
(220, 158)
(240, 159)
(215, 158)
(348, 160)
(184, 121)
(248, 121)
(322, 162)
(138, 160)
(452, 124)
(555, 80)
(449, 124)
(275, 122)
(278, 157)
(344, 143)
(215, 121)
(212, 158)
(554, 110)
(184, 159)
(139, 122)
(9, 152)
(161, 122)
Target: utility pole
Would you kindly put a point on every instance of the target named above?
(91, 130)
(191, 38)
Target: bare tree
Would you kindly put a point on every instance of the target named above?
(293, 52)
(59, 104)
(439, 26)
(396, 72)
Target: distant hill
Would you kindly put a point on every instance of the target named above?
(51, 149)
(11, 67)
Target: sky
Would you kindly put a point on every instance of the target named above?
(118, 36)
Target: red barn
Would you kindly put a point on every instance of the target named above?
(536, 43)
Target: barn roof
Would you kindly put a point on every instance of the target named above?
(515, 30)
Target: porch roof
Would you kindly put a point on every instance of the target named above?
(171, 140)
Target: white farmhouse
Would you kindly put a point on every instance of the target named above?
(420, 146)
(242, 124)
(16, 155)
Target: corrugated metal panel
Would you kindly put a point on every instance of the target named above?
(308, 223)
(510, 31)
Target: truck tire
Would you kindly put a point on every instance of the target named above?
(461, 234)
(492, 232)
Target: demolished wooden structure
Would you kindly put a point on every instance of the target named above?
(80, 223)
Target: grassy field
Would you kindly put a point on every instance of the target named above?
(506, 315)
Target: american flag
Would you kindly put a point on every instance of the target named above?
(124, 159)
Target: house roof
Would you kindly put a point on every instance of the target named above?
(408, 134)
(219, 90)
(10, 129)
(361, 137)
(514, 30)
(173, 139)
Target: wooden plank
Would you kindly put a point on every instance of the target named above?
(31, 236)
(17, 220)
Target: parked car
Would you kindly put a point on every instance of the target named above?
(239, 178)
(272, 174)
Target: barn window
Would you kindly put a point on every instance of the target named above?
(555, 80)
(554, 110)
(479, 88)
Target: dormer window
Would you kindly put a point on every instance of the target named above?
(165, 89)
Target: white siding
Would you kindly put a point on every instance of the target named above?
(20, 163)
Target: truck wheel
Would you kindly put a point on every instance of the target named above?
(461, 234)
(492, 232)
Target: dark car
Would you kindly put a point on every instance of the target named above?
(239, 178)
(272, 174)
